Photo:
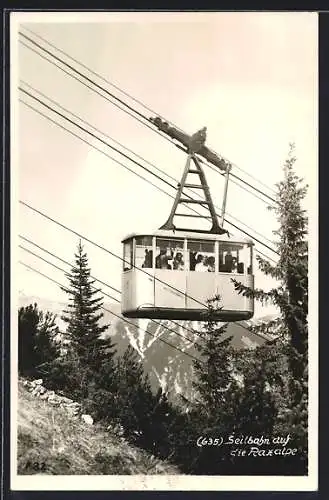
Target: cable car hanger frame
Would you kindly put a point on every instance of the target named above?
(195, 144)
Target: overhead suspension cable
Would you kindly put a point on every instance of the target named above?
(134, 153)
(97, 245)
(137, 101)
(101, 247)
(118, 316)
(123, 154)
(141, 115)
(90, 87)
(126, 167)
(161, 134)
(194, 332)
(119, 163)
(155, 131)
(127, 321)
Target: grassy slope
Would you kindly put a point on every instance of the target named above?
(49, 439)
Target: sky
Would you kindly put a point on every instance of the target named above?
(251, 78)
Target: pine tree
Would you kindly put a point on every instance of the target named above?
(214, 410)
(135, 395)
(256, 404)
(28, 319)
(125, 396)
(291, 297)
(37, 348)
(214, 369)
(87, 350)
(291, 270)
(262, 391)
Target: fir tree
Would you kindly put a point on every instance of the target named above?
(214, 369)
(37, 347)
(256, 401)
(291, 270)
(215, 385)
(262, 391)
(87, 350)
(136, 399)
(291, 297)
(28, 319)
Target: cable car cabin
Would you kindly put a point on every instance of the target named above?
(170, 276)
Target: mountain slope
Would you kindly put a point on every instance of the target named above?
(49, 442)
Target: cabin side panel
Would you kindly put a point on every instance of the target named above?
(200, 288)
(170, 289)
(137, 290)
(230, 299)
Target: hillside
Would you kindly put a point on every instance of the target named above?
(50, 442)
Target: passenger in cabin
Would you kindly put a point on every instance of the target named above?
(221, 265)
(162, 260)
(211, 264)
(192, 260)
(240, 267)
(200, 265)
(228, 262)
(178, 262)
(148, 259)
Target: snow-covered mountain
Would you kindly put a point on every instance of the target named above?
(166, 348)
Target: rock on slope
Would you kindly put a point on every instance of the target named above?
(50, 442)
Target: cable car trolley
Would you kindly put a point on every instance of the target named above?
(171, 273)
